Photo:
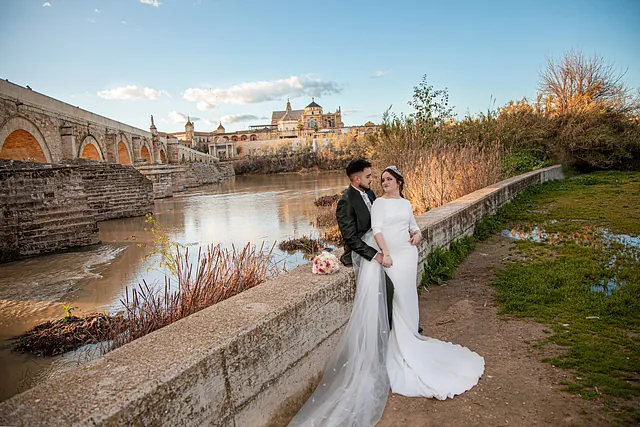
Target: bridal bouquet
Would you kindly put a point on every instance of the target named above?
(325, 263)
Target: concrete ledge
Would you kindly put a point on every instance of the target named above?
(233, 364)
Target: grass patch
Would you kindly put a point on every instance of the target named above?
(554, 285)
(441, 264)
(328, 201)
(306, 244)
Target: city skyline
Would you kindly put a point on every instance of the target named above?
(236, 62)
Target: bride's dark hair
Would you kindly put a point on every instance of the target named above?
(398, 178)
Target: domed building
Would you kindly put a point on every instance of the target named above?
(310, 119)
(296, 126)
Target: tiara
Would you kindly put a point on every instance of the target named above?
(394, 168)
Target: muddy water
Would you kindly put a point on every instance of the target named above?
(243, 209)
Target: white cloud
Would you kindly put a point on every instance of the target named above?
(253, 92)
(93, 21)
(124, 22)
(46, 4)
(96, 11)
(235, 118)
(132, 92)
(379, 73)
(178, 117)
(351, 111)
(204, 106)
(154, 3)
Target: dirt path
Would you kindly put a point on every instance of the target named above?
(516, 389)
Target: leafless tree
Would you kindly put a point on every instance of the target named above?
(578, 83)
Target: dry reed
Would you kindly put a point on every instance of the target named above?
(438, 167)
(216, 275)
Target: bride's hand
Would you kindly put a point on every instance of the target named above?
(415, 238)
(387, 261)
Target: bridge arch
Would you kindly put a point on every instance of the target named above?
(124, 155)
(90, 149)
(146, 152)
(163, 156)
(21, 139)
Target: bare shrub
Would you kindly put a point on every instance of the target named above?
(577, 83)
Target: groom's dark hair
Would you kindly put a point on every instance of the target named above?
(357, 165)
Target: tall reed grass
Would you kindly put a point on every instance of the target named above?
(438, 166)
(215, 275)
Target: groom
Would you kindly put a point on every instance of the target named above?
(354, 219)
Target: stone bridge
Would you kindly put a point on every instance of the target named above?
(39, 128)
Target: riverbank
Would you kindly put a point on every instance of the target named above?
(553, 304)
(550, 360)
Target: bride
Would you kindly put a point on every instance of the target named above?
(371, 358)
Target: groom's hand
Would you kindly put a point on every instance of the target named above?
(378, 257)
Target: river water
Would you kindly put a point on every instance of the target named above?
(256, 209)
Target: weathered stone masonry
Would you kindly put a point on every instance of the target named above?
(44, 208)
(115, 191)
(51, 207)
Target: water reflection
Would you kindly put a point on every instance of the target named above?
(242, 209)
(616, 249)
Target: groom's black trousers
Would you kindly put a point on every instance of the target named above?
(389, 284)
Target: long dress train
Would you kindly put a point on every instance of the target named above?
(417, 365)
(355, 386)
(369, 358)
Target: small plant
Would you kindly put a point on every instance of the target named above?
(68, 310)
(441, 264)
(163, 245)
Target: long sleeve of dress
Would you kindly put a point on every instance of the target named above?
(413, 225)
(377, 217)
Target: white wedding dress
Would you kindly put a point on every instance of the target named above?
(417, 365)
(369, 358)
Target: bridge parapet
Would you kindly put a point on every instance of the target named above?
(36, 126)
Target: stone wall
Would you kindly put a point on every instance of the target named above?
(51, 207)
(161, 180)
(115, 191)
(207, 173)
(233, 364)
(170, 179)
(179, 153)
(44, 208)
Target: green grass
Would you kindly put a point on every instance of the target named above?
(441, 264)
(598, 335)
(601, 334)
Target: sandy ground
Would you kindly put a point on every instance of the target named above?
(517, 389)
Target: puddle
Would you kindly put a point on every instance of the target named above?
(616, 249)
(606, 286)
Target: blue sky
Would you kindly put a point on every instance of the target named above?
(238, 60)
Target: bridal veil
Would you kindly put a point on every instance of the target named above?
(355, 385)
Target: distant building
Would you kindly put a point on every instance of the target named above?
(297, 125)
